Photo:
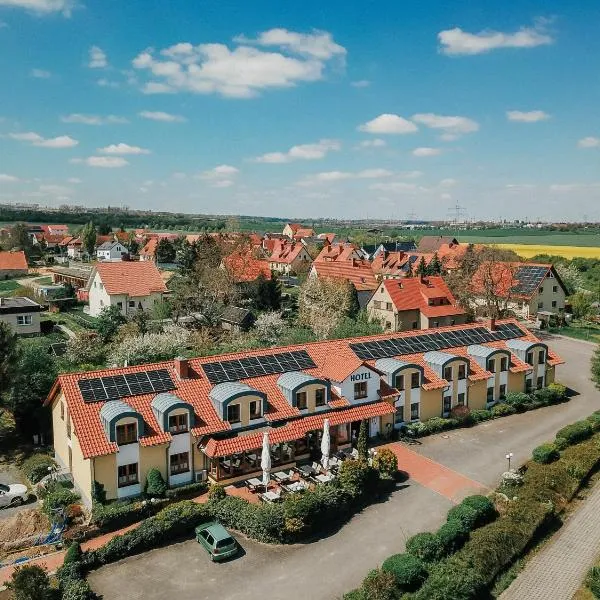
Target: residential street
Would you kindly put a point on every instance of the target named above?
(328, 568)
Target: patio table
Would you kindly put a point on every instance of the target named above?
(271, 497)
(324, 478)
(297, 486)
(254, 483)
(306, 470)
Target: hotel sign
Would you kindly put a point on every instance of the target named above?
(360, 376)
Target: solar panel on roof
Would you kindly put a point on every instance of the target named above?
(434, 341)
(255, 366)
(529, 278)
(95, 389)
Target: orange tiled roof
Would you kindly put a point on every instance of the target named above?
(304, 232)
(358, 272)
(334, 360)
(245, 267)
(342, 251)
(13, 261)
(135, 279)
(285, 252)
(150, 248)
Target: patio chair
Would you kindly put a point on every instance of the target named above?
(283, 476)
(253, 484)
(316, 467)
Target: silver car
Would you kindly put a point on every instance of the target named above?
(13, 494)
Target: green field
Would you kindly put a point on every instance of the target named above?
(8, 286)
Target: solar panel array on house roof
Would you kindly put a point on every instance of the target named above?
(434, 341)
(255, 366)
(119, 386)
(529, 278)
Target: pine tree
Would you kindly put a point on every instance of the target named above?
(88, 238)
(361, 445)
(422, 267)
(435, 266)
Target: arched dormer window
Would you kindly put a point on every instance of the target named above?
(295, 386)
(440, 362)
(121, 422)
(227, 398)
(489, 358)
(173, 414)
(396, 375)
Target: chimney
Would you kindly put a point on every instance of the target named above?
(182, 367)
(493, 324)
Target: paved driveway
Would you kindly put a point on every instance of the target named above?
(10, 474)
(327, 568)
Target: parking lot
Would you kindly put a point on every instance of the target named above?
(327, 568)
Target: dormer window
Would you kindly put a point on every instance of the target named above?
(178, 423)
(491, 365)
(399, 384)
(448, 373)
(254, 410)
(126, 434)
(462, 371)
(233, 413)
(301, 400)
(415, 380)
(320, 397)
(504, 364)
(541, 357)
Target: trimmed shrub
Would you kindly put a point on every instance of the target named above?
(452, 580)
(73, 553)
(592, 581)
(216, 492)
(561, 444)
(36, 467)
(189, 490)
(503, 410)
(437, 424)
(155, 484)
(545, 453)
(58, 500)
(481, 415)
(452, 536)
(426, 546)
(575, 433)
(379, 585)
(462, 414)
(30, 582)
(116, 515)
(594, 420)
(518, 400)
(473, 512)
(408, 570)
(353, 477)
(553, 394)
(78, 590)
(386, 463)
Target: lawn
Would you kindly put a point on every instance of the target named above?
(8, 286)
(581, 331)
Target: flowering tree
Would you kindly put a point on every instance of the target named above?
(269, 326)
(152, 347)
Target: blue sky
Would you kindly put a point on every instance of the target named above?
(383, 109)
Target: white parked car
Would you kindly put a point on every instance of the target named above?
(13, 494)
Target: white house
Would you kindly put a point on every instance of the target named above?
(131, 286)
(111, 251)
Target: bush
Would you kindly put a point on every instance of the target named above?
(462, 414)
(116, 515)
(155, 484)
(186, 491)
(408, 570)
(379, 585)
(575, 433)
(592, 581)
(452, 581)
(553, 394)
(73, 553)
(452, 536)
(545, 453)
(473, 512)
(78, 590)
(594, 420)
(36, 467)
(173, 521)
(437, 424)
(58, 501)
(518, 400)
(503, 410)
(98, 492)
(481, 415)
(216, 492)
(426, 546)
(353, 477)
(30, 583)
(386, 462)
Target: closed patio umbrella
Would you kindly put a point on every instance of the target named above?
(265, 460)
(325, 445)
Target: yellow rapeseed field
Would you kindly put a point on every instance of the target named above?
(529, 250)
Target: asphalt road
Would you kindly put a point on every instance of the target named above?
(325, 569)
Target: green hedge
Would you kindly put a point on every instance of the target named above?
(119, 514)
(592, 581)
(57, 500)
(408, 570)
(576, 432)
(36, 467)
(545, 453)
(189, 490)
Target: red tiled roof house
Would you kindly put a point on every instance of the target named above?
(289, 257)
(12, 264)
(131, 286)
(415, 303)
(205, 417)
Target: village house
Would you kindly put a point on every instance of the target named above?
(524, 289)
(130, 286)
(236, 319)
(339, 252)
(111, 251)
(296, 231)
(415, 303)
(356, 271)
(204, 418)
(148, 252)
(289, 257)
(244, 267)
(21, 314)
(13, 263)
(429, 244)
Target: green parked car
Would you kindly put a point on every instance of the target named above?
(217, 541)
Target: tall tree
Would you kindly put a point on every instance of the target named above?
(422, 267)
(19, 238)
(109, 321)
(88, 238)
(165, 251)
(435, 266)
(361, 445)
(8, 355)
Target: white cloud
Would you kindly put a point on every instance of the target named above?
(162, 116)
(223, 183)
(394, 186)
(332, 176)
(456, 42)
(122, 148)
(361, 83)
(62, 141)
(301, 152)
(97, 58)
(388, 123)
(220, 172)
(375, 143)
(374, 173)
(241, 72)
(41, 6)
(589, 142)
(411, 174)
(448, 182)
(5, 178)
(451, 126)
(107, 83)
(40, 73)
(74, 180)
(531, 116)
(104, 162)
(573, 187)
(424, 151)
(318, 44)
(93, 119)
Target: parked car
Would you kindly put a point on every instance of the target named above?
(13, 494)
(216, 540)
